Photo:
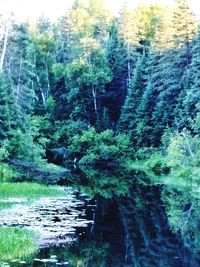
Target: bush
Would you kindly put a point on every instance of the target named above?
(158, 164)
(7, 173)
(184, 150)
(92, 147)
(3, 153)
(23, 146)
(65, 130)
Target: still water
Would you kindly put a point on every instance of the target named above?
(114, 218)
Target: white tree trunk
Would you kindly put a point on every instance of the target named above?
(7, 30)
(40, 88)
(47, 75)
(94, 94)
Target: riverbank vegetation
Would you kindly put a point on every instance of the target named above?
(16, 243)
(29, 190)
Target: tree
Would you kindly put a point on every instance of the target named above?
(191, 96)
(173, 64)
(44, 49)
(117, 61)
(6, 108)
(135, 91)
(86, 78)
(19, 70)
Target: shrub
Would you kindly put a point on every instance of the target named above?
(23, 146)
(92, 147)
(65, 130)
(3, 153)
(7, 173)
(183, 150)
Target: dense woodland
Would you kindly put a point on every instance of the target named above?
(106, 88)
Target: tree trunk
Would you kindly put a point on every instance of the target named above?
(47, 76)
(40, 88)
(4, 46)
(94, 94)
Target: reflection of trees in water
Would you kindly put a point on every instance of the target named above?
(81, 254)
(137, 223)
(105, 183)
(149, 240)
(183, 211)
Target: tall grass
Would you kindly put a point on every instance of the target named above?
(16, 243)
(29, 190)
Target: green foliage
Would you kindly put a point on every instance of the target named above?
(136, 88)
(16, 243)
(91, 147)
(184, 150)
(3, 153)
(23, 146)
(28, 190)
(6, 107)
(158, 164)
(7, 173)
(66, 83)
(65, 130)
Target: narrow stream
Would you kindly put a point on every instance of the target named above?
(114, 219)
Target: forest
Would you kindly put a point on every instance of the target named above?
(102, 89)
(107, 106)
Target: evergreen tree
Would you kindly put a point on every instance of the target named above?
(20, 71)
(191, 96)
(117, 61)
(173, 64)
(135, 92)
(142, 135)
(6, 108)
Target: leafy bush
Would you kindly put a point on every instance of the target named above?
(184, 150)
(92, 147)
(65, 130)
(3, 153)
(7, 173)
(23, 146)
(158, 164)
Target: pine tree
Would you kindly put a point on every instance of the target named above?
(21, 73)
(192, 85)
(6, 108)
(173, 64)
(133, 98)
(117, 61)
(142, 135)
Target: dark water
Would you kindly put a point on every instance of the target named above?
(137, 222)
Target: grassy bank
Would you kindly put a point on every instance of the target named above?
(29, 190)
(16, 243)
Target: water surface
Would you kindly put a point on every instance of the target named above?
(115, 218)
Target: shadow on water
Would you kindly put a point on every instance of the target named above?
(138, 222)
